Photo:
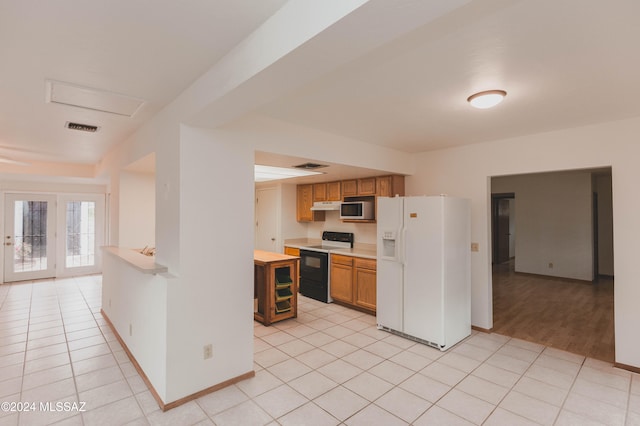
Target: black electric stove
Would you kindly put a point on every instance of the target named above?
(315, 265)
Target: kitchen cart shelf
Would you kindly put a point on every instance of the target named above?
(275, 286)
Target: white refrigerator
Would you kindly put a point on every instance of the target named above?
(424, 268)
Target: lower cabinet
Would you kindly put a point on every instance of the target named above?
(353, 281)
(342, 278)
(292, 251)
(365, 279)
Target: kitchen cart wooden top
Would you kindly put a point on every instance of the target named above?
(269, 257)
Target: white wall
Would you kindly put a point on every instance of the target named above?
(130, 298)
(213, 302)
(364, 233)
(554, 224)
(137, 210)
(466, 171)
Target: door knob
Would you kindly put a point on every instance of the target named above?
(273, 239)
(8, 244)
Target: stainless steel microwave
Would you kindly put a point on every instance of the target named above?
(362, 210)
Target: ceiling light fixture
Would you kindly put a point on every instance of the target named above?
(486, 99)
(266, 173)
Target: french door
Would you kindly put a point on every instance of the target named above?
(29, 243)
(52, 235)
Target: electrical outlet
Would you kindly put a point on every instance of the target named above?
(207, 351)
(550, 265)
(130, 330)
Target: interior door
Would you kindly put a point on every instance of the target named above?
(266, 220)
(29, 243)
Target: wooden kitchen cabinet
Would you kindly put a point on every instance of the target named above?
(365, 283)
(353, 282)
(319, 192)
(292, 251)
(275, 286)
(367, 186)
(304, 202)
(390, 186)
(334, 191)
(349, 188)
(342, 278)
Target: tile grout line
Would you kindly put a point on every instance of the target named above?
(26, 344)
(66, 341)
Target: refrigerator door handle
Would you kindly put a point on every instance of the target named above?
(401, 252)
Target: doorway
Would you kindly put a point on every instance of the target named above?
(557, 288)
(49, 235)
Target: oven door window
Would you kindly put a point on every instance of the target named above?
(312, 262)
(314, 266)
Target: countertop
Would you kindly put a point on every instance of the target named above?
(367, 251)
(268, 256)
(144, 264)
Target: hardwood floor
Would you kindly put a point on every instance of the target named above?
(564, 314)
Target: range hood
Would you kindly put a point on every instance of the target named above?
(326, 205)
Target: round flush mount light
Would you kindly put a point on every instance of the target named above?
(486, 99)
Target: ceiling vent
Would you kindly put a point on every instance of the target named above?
(81, 127)
(309, 166)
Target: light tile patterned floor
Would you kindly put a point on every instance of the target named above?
(329, 366)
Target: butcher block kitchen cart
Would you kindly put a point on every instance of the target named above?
(275, 286)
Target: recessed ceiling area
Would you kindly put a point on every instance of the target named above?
(126, 50)
(331, 172)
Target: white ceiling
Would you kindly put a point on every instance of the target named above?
(142, 49)
(564, 63)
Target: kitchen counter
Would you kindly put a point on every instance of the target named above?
(302, 242)
(367, 251)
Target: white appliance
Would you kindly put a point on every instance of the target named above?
(424, 268)
(326, 205)
(360, 210)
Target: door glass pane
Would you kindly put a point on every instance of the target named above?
(81, 233)
(30, 236)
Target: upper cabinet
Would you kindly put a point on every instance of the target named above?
(390, 186)
(304, 202)
(381, 186)
(329, 191)
(334, 191)
(319, 192)
(349, 188)
(367, 186)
